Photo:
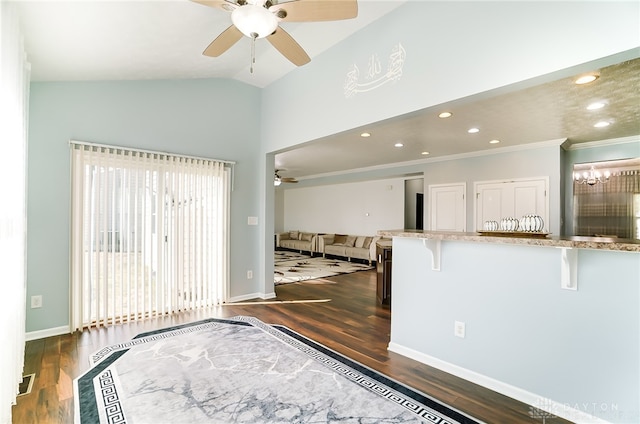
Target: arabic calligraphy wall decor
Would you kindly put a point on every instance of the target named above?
(374, 78)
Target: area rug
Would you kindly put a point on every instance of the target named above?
(305, 268)
(241, 370)
(287, 255)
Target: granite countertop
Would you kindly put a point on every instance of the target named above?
(599, 243)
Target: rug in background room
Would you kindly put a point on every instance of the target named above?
(287, 255)
(291, 267)
(241, 370)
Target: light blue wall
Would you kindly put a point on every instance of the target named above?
(195, 117)
(504, 165)
(573, 347)
(453, 50)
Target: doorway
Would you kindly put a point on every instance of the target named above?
(419, 211)
(414, 204)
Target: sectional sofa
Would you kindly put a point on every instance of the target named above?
(343, 245)
(298, 240)
(348, 246)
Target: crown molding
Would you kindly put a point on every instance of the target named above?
(602, 143)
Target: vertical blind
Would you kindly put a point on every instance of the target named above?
(14, 95)
(149, 234)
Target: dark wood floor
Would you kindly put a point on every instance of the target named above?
(352, 323)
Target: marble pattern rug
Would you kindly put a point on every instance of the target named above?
(304, 268)
(241, 370)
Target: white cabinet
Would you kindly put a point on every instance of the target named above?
(447, 207)
(515, 198)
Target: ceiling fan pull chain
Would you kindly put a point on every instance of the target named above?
(253, 49)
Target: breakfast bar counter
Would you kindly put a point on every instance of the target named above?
(522, 238)
(550, 321)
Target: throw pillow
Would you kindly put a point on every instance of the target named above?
(294, 235)
(350, 241)
(360, 241)
(306, 236)
(340, 239)
(367, 242)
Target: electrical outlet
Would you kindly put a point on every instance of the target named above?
(459, 329)
(249, 275)
(36, 301)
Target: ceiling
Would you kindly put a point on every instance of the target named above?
(92, 40)
(163, 39)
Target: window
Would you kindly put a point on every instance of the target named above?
(149, 234)
(612, 207)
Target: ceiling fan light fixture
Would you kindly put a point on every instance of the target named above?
(254, 21)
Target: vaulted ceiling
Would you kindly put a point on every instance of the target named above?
(132, 40)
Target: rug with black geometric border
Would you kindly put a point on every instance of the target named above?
(241, 370)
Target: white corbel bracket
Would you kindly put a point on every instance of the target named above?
(569, 268)
(433, 245)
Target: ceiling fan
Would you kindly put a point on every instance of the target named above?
(277, 179)
(261, 19)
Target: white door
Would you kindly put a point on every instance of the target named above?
(503, 199)
(447, 207)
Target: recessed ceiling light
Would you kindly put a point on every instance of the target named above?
(399, 145)
(494, 142)
(425, 153)
(445, 115)
(473, 130)
(596, 106)
(586, 79)
(365, 134)
(602, 124)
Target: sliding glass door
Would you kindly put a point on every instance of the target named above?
(149, 234)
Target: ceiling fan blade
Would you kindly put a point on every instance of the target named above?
(223, 42)
(289, 48)
(288, 180)
(316, 10)
(220, 4)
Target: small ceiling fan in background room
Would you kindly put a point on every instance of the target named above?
(277, 179)
(261, 19)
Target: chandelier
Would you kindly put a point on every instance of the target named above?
(591, 177)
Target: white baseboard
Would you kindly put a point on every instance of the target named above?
(251, 296)
(49, 332)
(538, 403)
